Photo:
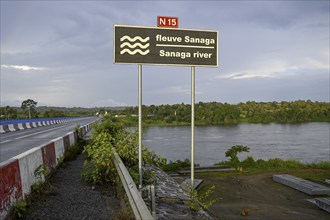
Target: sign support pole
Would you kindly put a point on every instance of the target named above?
(140, 124)
(192, 126)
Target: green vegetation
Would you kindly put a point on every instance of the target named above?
(108, 136)
(251, 165)
(173, 167)
(10, 113)
(200, 200)
(214, 113)
(232, 153)
(19, 209)
(210, 113)
(29, 108)
(316, 171)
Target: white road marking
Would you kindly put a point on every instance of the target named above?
(35, 133)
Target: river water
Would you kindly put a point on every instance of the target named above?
(306, 142)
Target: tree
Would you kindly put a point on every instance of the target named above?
(233, 151)
(8, 112)
(29, 106)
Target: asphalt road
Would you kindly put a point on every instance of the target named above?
(17, 142)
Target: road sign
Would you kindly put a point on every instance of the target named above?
(167, 22)
(165, 46)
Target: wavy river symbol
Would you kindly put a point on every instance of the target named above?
(135, 51)
(135, 45)
(126, 37)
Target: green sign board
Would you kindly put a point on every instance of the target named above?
(165, 46)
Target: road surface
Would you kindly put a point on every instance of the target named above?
(17, 142)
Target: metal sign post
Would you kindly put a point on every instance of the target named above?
(192, 126)
(140, 125)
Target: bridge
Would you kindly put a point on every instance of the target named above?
(22, 151)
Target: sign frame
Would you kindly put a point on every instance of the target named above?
(170, 29)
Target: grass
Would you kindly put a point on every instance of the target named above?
(317, 175)
(316, 172)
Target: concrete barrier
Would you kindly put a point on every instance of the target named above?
(17, 174)
(2, 130)
(323, 203)
(302, 185)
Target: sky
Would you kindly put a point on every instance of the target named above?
(60, 53)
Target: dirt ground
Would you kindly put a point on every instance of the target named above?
(260, 198)
(72, 198)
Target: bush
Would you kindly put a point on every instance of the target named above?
(232, 153)
(100, 167)
(107, 137)
(321, 165)
(200, 200)
(248, 162)
(19, 209)
(175, 166)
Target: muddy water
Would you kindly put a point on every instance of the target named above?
(306, 142)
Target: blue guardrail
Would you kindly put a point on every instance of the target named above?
(7, 122)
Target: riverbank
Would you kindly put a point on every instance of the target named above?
(253, 195)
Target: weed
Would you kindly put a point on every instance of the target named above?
(107, 138)
(200, 200)
(41, 173)
(78, 130)
(73, 152)
(124, 214)
(19, 209)
(60, 161)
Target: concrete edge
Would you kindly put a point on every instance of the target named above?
(17, 173)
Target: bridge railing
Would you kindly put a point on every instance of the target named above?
(139, 208)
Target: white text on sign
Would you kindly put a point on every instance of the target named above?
(184, 55)
(187, 39)
(208, 42)
(172, 22)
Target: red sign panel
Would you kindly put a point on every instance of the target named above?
(172, 22)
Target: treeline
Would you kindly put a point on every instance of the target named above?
(10, 113)
(223, 113)
(210, 113)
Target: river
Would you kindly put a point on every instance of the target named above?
(305, 142)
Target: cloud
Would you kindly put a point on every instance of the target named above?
(262, 46)
(179, 89)
(22, 67)
(247, 75)
(107, 102)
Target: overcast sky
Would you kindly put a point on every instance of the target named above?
(60, 53)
